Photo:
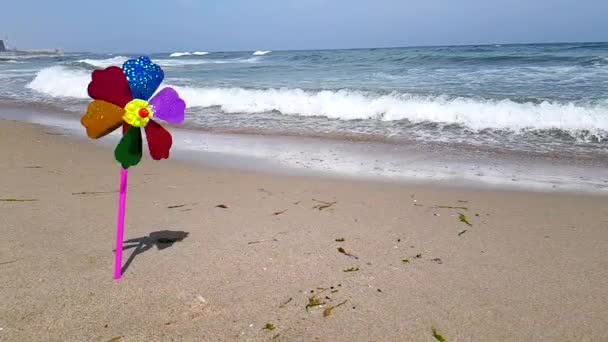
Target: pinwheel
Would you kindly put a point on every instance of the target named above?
(121, 97)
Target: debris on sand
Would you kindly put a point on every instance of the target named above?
(94, 192)
(341, 250)
(464, 220)
(259, 241)
(437, 335)
(314, 301)
(269, 327)
(450, 207)
(285, 303)
(327, 312)
(323, 205)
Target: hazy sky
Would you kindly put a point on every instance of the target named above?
(221, 25)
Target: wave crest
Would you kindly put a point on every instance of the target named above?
(104, 63)
(261, 53)
(59, 81)
(181, 54)
(357, 105)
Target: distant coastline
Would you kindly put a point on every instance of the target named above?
(5, 50)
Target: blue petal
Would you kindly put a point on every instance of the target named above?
(144, 77)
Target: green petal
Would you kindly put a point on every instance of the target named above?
(128, 151)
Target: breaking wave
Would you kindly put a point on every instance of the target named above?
(104, 63)
(476, 114)
(195, 53)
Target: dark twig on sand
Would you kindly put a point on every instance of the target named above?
(94, 192)
(327, 312)
(323, 205)
(341, 250)
(285, 303)
(17, 200)
(464, 220)
(450, 207)
(258, 241)
(10, 262)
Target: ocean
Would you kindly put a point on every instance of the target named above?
(536, 98)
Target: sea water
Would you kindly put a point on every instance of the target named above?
(536, 98)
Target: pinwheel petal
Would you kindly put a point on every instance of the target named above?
(159, 140)
(110, 85)
(128, 151)
(168, 106)
(144, 77)
(102, 118)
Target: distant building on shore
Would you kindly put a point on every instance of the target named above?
(3, 48)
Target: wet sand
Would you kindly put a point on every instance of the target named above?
(531, 266)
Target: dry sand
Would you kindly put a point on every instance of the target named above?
(532, 267)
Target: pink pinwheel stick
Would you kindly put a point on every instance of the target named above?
(120, 228)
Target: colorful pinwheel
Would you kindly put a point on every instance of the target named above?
(120, 98)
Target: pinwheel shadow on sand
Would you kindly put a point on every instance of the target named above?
(162, 239)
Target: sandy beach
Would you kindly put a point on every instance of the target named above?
(225, 255)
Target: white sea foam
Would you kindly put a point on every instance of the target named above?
(476, 114)
(354, 105)
(119, 60)
(181, 54)
(183, 62)
(104, 63)
(59, 81)
(261, 53)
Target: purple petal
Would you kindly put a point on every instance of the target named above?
(168, 106)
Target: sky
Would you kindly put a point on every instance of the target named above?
(243, 25)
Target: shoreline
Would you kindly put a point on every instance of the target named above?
(530, 266)
(360, 160)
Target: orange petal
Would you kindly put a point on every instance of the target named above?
(102, 118)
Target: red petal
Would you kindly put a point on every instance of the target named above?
(159, 140)
(110, 85)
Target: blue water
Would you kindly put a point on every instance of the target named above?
(542, 98)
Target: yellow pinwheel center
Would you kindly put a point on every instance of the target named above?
(138, 113)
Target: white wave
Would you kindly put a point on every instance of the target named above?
(59, 81)
(182, 62)
(104, 63)
(355, 105)
(180, 54)
(261, 53)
